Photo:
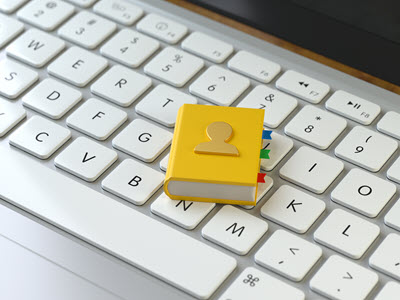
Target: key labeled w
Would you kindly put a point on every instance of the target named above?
(36, 45)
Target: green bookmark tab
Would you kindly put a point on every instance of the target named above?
(264, 153)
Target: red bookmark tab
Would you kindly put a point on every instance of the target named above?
(261, 177)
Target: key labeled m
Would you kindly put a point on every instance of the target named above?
(36, 45)
(235, 229)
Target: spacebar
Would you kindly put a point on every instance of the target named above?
(146, 243)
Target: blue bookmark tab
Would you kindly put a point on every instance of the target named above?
(266, 135)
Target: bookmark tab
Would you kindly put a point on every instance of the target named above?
(264, 153)
(266, 135)
(261, 177)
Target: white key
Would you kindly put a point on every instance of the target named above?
(10, 115)
(35, 48)
(87, 29)
(164, 163)
(9, 28)
(346, 233)
(162, 28)
(390, 291)
(386, 257)
(234, 229)
(82, 3)
(162, 104)
(174, 66)
(40, 137)
(302, 86)
(394, 171)
(293, 209)
(279, 147)
(9, 6)
(219, 86)
(15, 78)
(120, 11)
(207, 47)
(311, 169)
(363, 192)
(86, 159)
(113, 227)
(77, 66)
(254, 66)
(97, 119)
(121, 85)
(390, 124)
(366, 148)
(392, 218)
(253, 284)
(133, 181)
(288, 255)
(316, 127)
(277, 105)
(186, 214)
(341, 279)
(52, 98)
(130, 48)
(46, 15)
(143, 140)
(262, 189)
(353, 107)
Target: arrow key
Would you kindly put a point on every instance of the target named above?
(288, 255)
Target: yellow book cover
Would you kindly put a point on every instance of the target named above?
(215, 154)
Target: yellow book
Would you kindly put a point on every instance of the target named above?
(215, 154)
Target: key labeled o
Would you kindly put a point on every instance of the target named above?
(365, 190)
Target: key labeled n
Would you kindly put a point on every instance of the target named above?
(36, 45)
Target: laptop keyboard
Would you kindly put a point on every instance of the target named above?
(100, 84)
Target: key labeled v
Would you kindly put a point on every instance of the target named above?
(86, 158)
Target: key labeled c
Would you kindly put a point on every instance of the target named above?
(38, 137)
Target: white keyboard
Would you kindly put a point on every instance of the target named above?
(89, 93)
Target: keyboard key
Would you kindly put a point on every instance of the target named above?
(386, 257)
(302, 86)
(142, 140)
(162, 104)
(390, 291)
(87, 29)
(133, 181)
(97, 119)
(346, 233)
(363, 192)
(77, 66)
(219, 86)
(254, 66)
(122, 12)
(207, 47)
(341, 279)
(114, 227)
(121, 85)
(40, 137)
(366, 148)
(279, 147)
(234, 229)
(390, 124)
(252, 284)
(10, 115)
(15, 78)
(174, 66)
(162, 28)
(311, 169)
(293, 209)
(52, 98)
(394, 171)
(83, 3)
(46, 15)
(288, 255)
(9, 6)
(9, 28)
(164, 163)
(262, 189)
(277, 105)
(316, 127)
(35, 48)
(186, 214)
(392, 218)
(353, 107)
(85, 159)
